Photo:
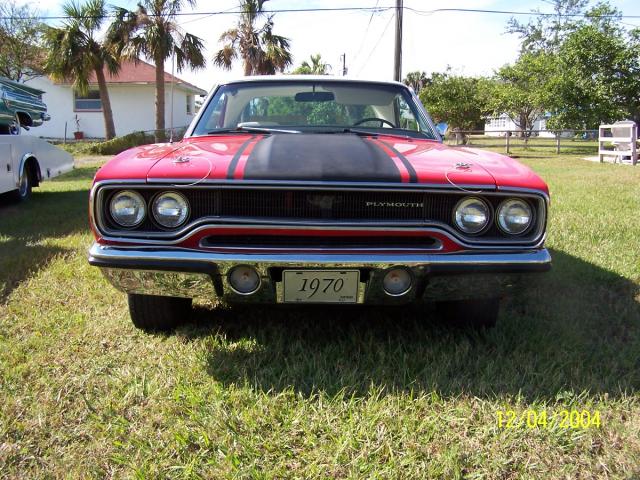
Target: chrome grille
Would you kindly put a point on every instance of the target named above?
(388, 207)
(333, 205)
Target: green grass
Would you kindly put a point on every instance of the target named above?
(317, 393)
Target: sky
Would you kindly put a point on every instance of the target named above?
(468, 43)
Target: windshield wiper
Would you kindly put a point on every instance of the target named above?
(244, 129)
(365, 133)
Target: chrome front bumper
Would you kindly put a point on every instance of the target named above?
(203, 275)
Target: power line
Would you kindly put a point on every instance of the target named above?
(209, 14)
(378, 9)
(366, 31)
(513, 12)
(375, 47)
(204, 16)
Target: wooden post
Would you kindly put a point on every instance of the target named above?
(458, 137)
(600, 143)
(397, 59)
(558, 143)
(507, 136)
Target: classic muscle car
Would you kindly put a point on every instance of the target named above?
(315, 190)
(20, 106)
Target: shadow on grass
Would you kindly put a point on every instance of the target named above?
(85, 173)
(26, 228)
(578, 329)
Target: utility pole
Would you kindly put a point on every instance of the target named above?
(397, 64)
(344, 64)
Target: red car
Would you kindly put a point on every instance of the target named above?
(315, 190)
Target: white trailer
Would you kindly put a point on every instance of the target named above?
(26, 161)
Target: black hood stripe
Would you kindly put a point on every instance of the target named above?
(322, 157)
(234, 161)
(413, 176)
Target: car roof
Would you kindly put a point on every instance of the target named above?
(310, 78)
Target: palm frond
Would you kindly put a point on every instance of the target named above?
(189, 53)
(225, 56)
(261, 50)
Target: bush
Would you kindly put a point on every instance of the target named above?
(135, 139)
(120, 144)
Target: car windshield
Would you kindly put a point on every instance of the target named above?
(313, 106)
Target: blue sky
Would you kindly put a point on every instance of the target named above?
(470, 43)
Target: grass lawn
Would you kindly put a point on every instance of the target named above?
(308, 393)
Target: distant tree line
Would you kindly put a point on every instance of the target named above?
(580, 70)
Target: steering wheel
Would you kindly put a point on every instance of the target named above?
(374, 119)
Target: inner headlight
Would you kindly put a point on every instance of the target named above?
(471, 215)
(514, 216)
(170, 209)
(128, 208)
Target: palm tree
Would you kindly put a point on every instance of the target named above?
(262, 52)
(417, 80)
(74, 53)
(153, 32)
(316, 67)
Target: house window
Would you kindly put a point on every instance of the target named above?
(87, 103)
(189, 104)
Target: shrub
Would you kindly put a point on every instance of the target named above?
(120, 144)
(135, 139)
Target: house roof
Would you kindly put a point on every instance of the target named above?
(143, 73)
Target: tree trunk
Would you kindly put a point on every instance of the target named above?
(159, 134)
(109, 127)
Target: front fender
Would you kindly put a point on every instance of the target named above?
(23, 165)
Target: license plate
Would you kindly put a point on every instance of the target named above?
(320, 286)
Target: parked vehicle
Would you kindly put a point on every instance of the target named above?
(20, 107)
(315, 190)
(26, 161)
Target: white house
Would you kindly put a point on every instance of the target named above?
(132, 95)
(498, 126)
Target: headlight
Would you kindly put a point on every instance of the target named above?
(471, 215)
(170, 209)
(128, 208)
(514, 216)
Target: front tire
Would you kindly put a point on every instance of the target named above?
(158, 314)
(480, 314)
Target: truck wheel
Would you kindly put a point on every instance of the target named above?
(24, 189)
(470, 313)
(160, 314)
(14, 126)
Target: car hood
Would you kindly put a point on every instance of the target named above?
(334, 158)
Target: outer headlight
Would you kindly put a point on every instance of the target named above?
(514, 216)
(170, 209)
(128, 208)
(471, 215)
